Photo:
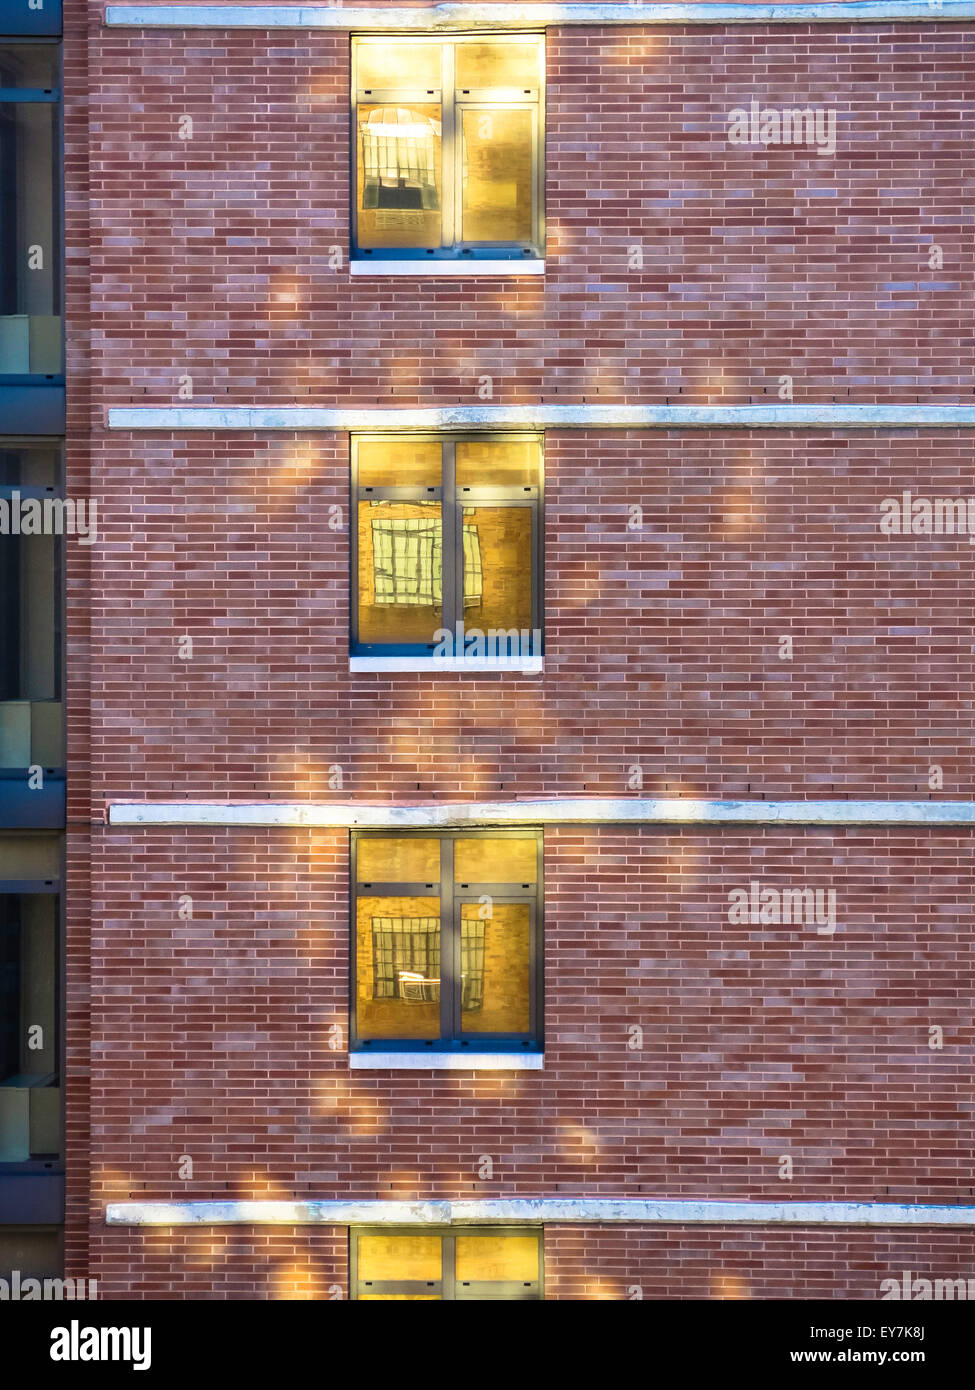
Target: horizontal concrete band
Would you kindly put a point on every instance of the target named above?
(559, 811)
(534, 1211)
(439, 17)
(497, 417)
(468, 269)
(464, 665)
(446, 1061)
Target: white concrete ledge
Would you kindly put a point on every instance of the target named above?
(559, 811)
(505, 16)
(446, 1061)
(435, 665)
(273, 1213)
(528, 1211)
(546, 416)
(470, 269)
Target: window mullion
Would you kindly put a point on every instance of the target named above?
(536, 179)
(537, 951)
(536, 573)
(449, 172)
(449, 951)
(354, 513)
(452, 544)
(534, 972)
(448, 1256)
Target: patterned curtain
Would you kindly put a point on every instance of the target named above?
(408, 562)
(406, 960)
(399, 160)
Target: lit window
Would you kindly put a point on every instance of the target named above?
(448, 155)
(478, 1263)
(447, 546)
(447, 939)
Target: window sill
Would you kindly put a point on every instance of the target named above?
(468, 267)
(431, 666)
(447, 1061)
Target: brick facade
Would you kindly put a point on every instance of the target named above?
(756, 263)
(662, 643)
(214, 1037)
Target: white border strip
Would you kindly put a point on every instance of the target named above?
(497, 417)
(446, 1061)
(507, 16)
(470, 269)
(535, 1211)
(434, 665)
(563, 811)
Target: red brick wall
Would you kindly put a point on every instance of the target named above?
(209, 257)
(662, 643)
(699, 1262)
(212, 1036)
(221, 1262)
(581, 1262)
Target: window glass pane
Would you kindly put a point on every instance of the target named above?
(497, 569)
(29, 856)
(400, 571)
(493, 1257)
(480, 860)
(399, 185)
(398, 967)
(29, 67)
(497, 63)
(405, 859)
(391, 66)
(399, 1257)
(30, 329)
(34, 1251)
(497, 175)
(399, 462)
(399, 1298)
(495, 948)
(26, 467)
(30, 1097)
(30, 715)
(498, 462)
(28, 603)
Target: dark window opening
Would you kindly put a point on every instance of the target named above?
(30, 1083)
(30, 213)
(31, 583)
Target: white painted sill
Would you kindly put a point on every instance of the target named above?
(433, 665)
(470, 268)
(447, 1061)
